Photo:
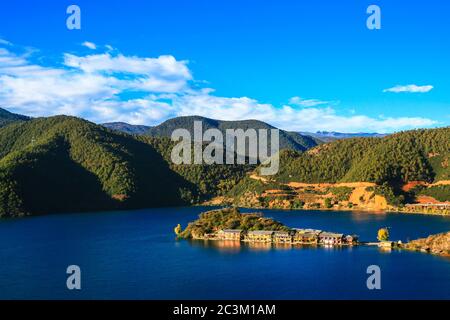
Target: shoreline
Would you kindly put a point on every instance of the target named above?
(385, 245)
(374, 211)
(292, 244)
(207, 204)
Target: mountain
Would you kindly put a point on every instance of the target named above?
(7, 117)
(288, 140)
(126, 128)
(65, 164)
(327, 136)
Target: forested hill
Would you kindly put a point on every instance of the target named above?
(7, 117)
(288, 140)
(65, 164)
(406, 156)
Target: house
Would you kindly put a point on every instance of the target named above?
(351, 239)
(230, 234)
(282, 237)
(329, 238)
(424, 206)
(260, 236)
(306, 236)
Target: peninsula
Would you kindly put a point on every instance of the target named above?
(231, 225)
(438, 244)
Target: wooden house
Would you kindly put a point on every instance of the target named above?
(329, 238)
(230, 234)
(306, 236)
(282, 237)
(260, 236)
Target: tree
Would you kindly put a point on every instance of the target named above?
(383, 234)
(328, 203)
(177, 229)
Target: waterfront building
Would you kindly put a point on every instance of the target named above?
(260, 236)
(329, 238)
(282, 237)
(351, 239)
(424, 206)
(230, 234)
(306, 236)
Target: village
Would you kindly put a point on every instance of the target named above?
(292, 237)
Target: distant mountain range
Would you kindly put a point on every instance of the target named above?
(127, 128)
(288, 140)
(7, 117)
(327, 136)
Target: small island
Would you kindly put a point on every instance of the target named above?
(230, 224)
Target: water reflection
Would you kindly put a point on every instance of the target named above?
(361, 216)
(230, 246)
(384, 250)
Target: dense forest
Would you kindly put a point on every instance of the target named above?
(64, 164)
(209, 180)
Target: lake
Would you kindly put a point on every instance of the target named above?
(134, 255)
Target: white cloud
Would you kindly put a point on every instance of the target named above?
(5, 42)
(108, 87)
(89, 45)
(298, 101)
(166, 66)
(8, 59)
(412, 88)
(289, 117)
(81, 82)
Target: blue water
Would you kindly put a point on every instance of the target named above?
(134, 255)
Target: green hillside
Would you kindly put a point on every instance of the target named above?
(64, 164)
(209, 180)
(406, 156)
(418, 156)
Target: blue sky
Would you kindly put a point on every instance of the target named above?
(300, 65)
